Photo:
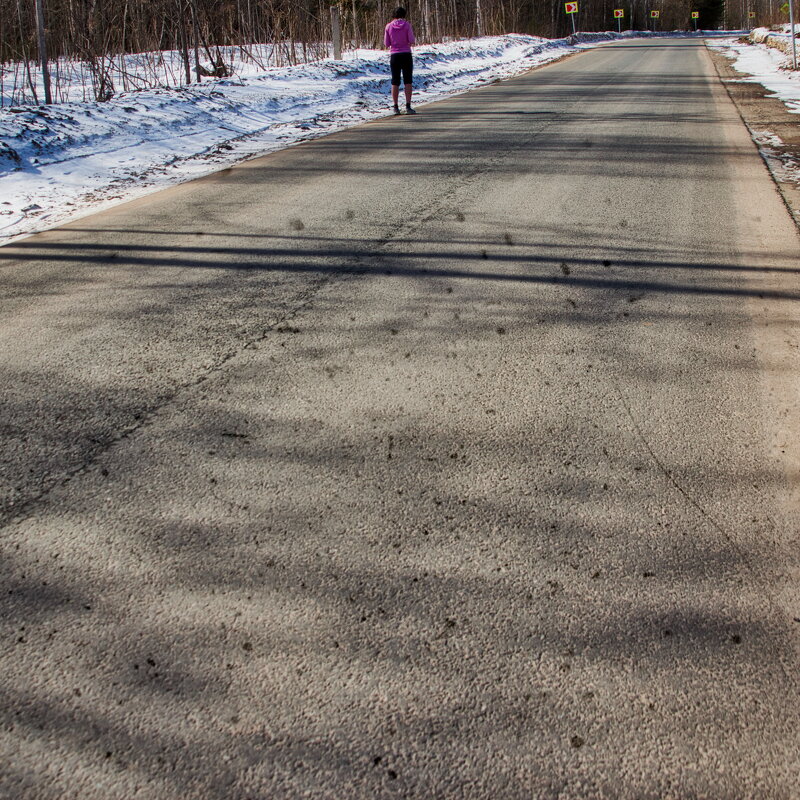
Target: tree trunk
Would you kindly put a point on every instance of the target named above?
(183, 38)
(196, 29)
(40, 33)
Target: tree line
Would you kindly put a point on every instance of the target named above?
(95, 32)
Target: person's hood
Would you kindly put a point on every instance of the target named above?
(399, 23)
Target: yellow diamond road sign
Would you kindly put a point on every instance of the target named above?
(571, 8)
(695, 15)
(619, 13)
(655, 14)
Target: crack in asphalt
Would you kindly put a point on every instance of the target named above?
(362, 264)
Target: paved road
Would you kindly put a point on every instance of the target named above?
(450, 456)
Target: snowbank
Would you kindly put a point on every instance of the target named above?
(779, 40)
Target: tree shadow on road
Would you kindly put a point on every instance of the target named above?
(418, 503)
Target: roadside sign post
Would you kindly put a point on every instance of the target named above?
(572, 10)
(654, 15)
(619, 13)
(695, 17)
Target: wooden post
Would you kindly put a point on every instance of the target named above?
(336, 28)
(48, 97)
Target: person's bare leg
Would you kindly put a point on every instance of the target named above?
(396, 95)
(409, 110)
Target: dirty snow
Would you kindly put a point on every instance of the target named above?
(765, 65)
(771, 68)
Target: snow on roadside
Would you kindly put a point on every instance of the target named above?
(779, 38)
(769, 67)
(784, 166)
(66, 160)
(764, 65)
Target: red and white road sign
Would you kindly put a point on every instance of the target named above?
(619, 13)
(655, 14)
(695, 15)
(571, 8)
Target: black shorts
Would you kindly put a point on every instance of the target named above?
(401, 62)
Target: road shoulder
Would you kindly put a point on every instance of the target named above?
(770, 249)
(773, 128)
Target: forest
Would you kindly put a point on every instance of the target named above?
(98, 32)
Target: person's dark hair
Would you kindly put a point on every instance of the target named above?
(400, 13)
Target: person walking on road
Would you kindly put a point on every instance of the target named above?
(398, 37)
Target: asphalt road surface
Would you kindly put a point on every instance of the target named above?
(452, 456)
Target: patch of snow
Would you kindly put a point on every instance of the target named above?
(767, 139)
(768, 66)
(764, 65)
(784, 166)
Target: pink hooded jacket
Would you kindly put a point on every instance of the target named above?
(399, 36)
